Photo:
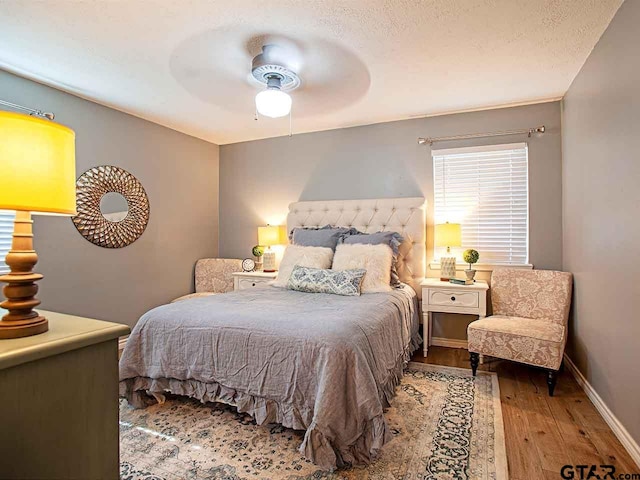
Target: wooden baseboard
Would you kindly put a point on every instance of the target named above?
(448, 342)
(618, 429)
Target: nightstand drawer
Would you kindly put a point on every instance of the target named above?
(453, 298)
(244, 283)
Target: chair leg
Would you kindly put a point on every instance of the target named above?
(474, 358)
(552, 377)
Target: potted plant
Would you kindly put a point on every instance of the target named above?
(470, 256)
(257, 252)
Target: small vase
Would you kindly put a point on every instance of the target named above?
(470, 274)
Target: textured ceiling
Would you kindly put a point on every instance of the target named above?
(186, 64)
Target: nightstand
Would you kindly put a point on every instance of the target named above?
(72, 426)
(445, 297)
(244, 280)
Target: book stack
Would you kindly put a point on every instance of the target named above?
(459, 281)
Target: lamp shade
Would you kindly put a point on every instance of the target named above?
(37, 165)
(273, 103)
(448, 235)
(271, 235)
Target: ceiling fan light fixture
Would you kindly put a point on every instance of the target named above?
(273, 103)
(269, 68)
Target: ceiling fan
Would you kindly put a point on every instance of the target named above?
(273, 69)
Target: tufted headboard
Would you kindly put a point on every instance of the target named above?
(407, 216)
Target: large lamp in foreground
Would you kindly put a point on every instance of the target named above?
(38, 174)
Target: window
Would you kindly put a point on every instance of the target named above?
(485, 189)
(6, 234)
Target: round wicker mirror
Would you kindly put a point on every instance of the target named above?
(113, 207)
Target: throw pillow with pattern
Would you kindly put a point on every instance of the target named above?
(317, 280)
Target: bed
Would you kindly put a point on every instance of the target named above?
(327, 364)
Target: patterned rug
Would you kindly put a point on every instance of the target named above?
(445, 424)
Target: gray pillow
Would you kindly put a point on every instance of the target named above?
(317, 280)
(305, 228)
(392, 239)
(326, 236)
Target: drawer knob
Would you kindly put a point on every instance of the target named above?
(453, 299)
(253, 284)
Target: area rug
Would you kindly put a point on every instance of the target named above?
(446, 424)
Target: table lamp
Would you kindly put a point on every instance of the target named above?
(38, 172)
(267, 237)
(448, 235)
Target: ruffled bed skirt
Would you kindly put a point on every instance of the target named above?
(318, 446)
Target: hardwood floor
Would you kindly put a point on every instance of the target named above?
(544, 433)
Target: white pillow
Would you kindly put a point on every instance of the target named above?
(375, 259)
(313, 257)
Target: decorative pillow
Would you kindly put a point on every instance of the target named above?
(326, 236)
(305, 228)
(375, 259)
(393, 239)
(314, 257)
(316, 280)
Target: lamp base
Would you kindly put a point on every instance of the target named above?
(269, 261)
(23, 328)
(21, 289)
(447, 268)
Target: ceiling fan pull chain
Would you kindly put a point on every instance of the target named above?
(290, 125)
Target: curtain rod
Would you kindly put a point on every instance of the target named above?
(528, 131)
(31, 111)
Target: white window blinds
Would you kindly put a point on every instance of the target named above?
(6, 234)
(486, 190)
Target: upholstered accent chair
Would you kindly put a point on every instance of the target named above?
(213, 275)
(529, 321)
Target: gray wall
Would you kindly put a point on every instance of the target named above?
(259, 179)
(601, 170)
(180, 175)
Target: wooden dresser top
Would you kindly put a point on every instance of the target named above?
(66, 333)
